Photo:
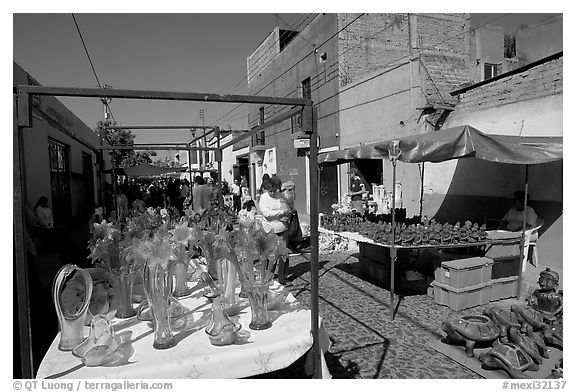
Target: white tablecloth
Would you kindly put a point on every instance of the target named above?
(194, 356)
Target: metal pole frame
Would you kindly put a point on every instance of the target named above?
(21, 107)
(23, 119)
(393, 247)
(523, 238)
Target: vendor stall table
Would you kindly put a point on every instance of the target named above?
(384, 257)
(194, 356)
(360, 238)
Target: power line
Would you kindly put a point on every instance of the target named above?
(390, 62)
(242, 77)
(245, 77)
(298, 62)
(86, 50)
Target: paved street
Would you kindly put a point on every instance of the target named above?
(365, 343)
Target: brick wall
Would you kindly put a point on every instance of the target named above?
(540, 81)
(262, 56)
(370, 42)
(375, 41)
(445, 44)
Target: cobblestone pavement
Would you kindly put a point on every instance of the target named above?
(365, 343)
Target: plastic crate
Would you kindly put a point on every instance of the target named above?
(503, 288)
(498, 251)
(374, 252)
(464, 273)
(505, 267)
(458, 299)
(375, 271)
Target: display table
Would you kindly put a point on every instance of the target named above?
(515, 240)
(193, 356)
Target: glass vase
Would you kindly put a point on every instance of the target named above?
(158, 288)
(123, 285)
(227, 278)
(258, 297)
(221, 330)
(181, 288)
(71, 315)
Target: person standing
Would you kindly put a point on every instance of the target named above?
(201, 196)
(235, 196)
(276, 214)
(357, 189)
(184, 191)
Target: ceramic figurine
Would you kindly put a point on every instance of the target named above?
(547, 299)
(471, 329)
(509, 357)
(538, 339)
(529, 316)
(504, 319)
(526, 343)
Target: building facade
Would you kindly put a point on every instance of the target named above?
(60, 157)
(372, 77)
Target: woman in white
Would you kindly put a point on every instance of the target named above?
(276, 212)
(274, 209)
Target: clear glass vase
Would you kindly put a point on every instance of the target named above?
(227, 278)
(158, 288)
(258, 297)
(123, 285)
(181, 288)
(71, 314)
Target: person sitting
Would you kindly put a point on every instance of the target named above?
(247, 214)
(43, 213)
(138, 204)
(514, 218)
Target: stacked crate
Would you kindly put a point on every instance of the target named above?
(464, 283)
(506, 263)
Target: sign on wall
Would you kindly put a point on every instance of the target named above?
(269, 162)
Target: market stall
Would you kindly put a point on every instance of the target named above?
(193, 356)
(69, 322)
(452, 143)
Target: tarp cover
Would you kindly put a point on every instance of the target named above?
(458, 142)
(146, 169)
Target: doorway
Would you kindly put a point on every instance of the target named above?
(328, 188)
(60, 181)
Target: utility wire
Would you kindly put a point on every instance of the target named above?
(389, 62)
(106, 103)
(86, 50)
(242, 76)
(298, 62)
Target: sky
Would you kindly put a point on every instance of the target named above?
(160, 51)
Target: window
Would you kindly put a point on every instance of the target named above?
(194, 155)
(259, 139)
(490, 70)
(59, 178)
(307, 88)
(296, 123)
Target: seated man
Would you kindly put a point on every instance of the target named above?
(513, 219)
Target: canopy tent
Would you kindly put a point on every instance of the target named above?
(24, 119)
(453, 143)
(144, 170)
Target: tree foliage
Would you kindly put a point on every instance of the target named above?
(122, 137)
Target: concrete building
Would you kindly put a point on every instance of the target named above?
(371, 77)
(523, 102)
(59, 157)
